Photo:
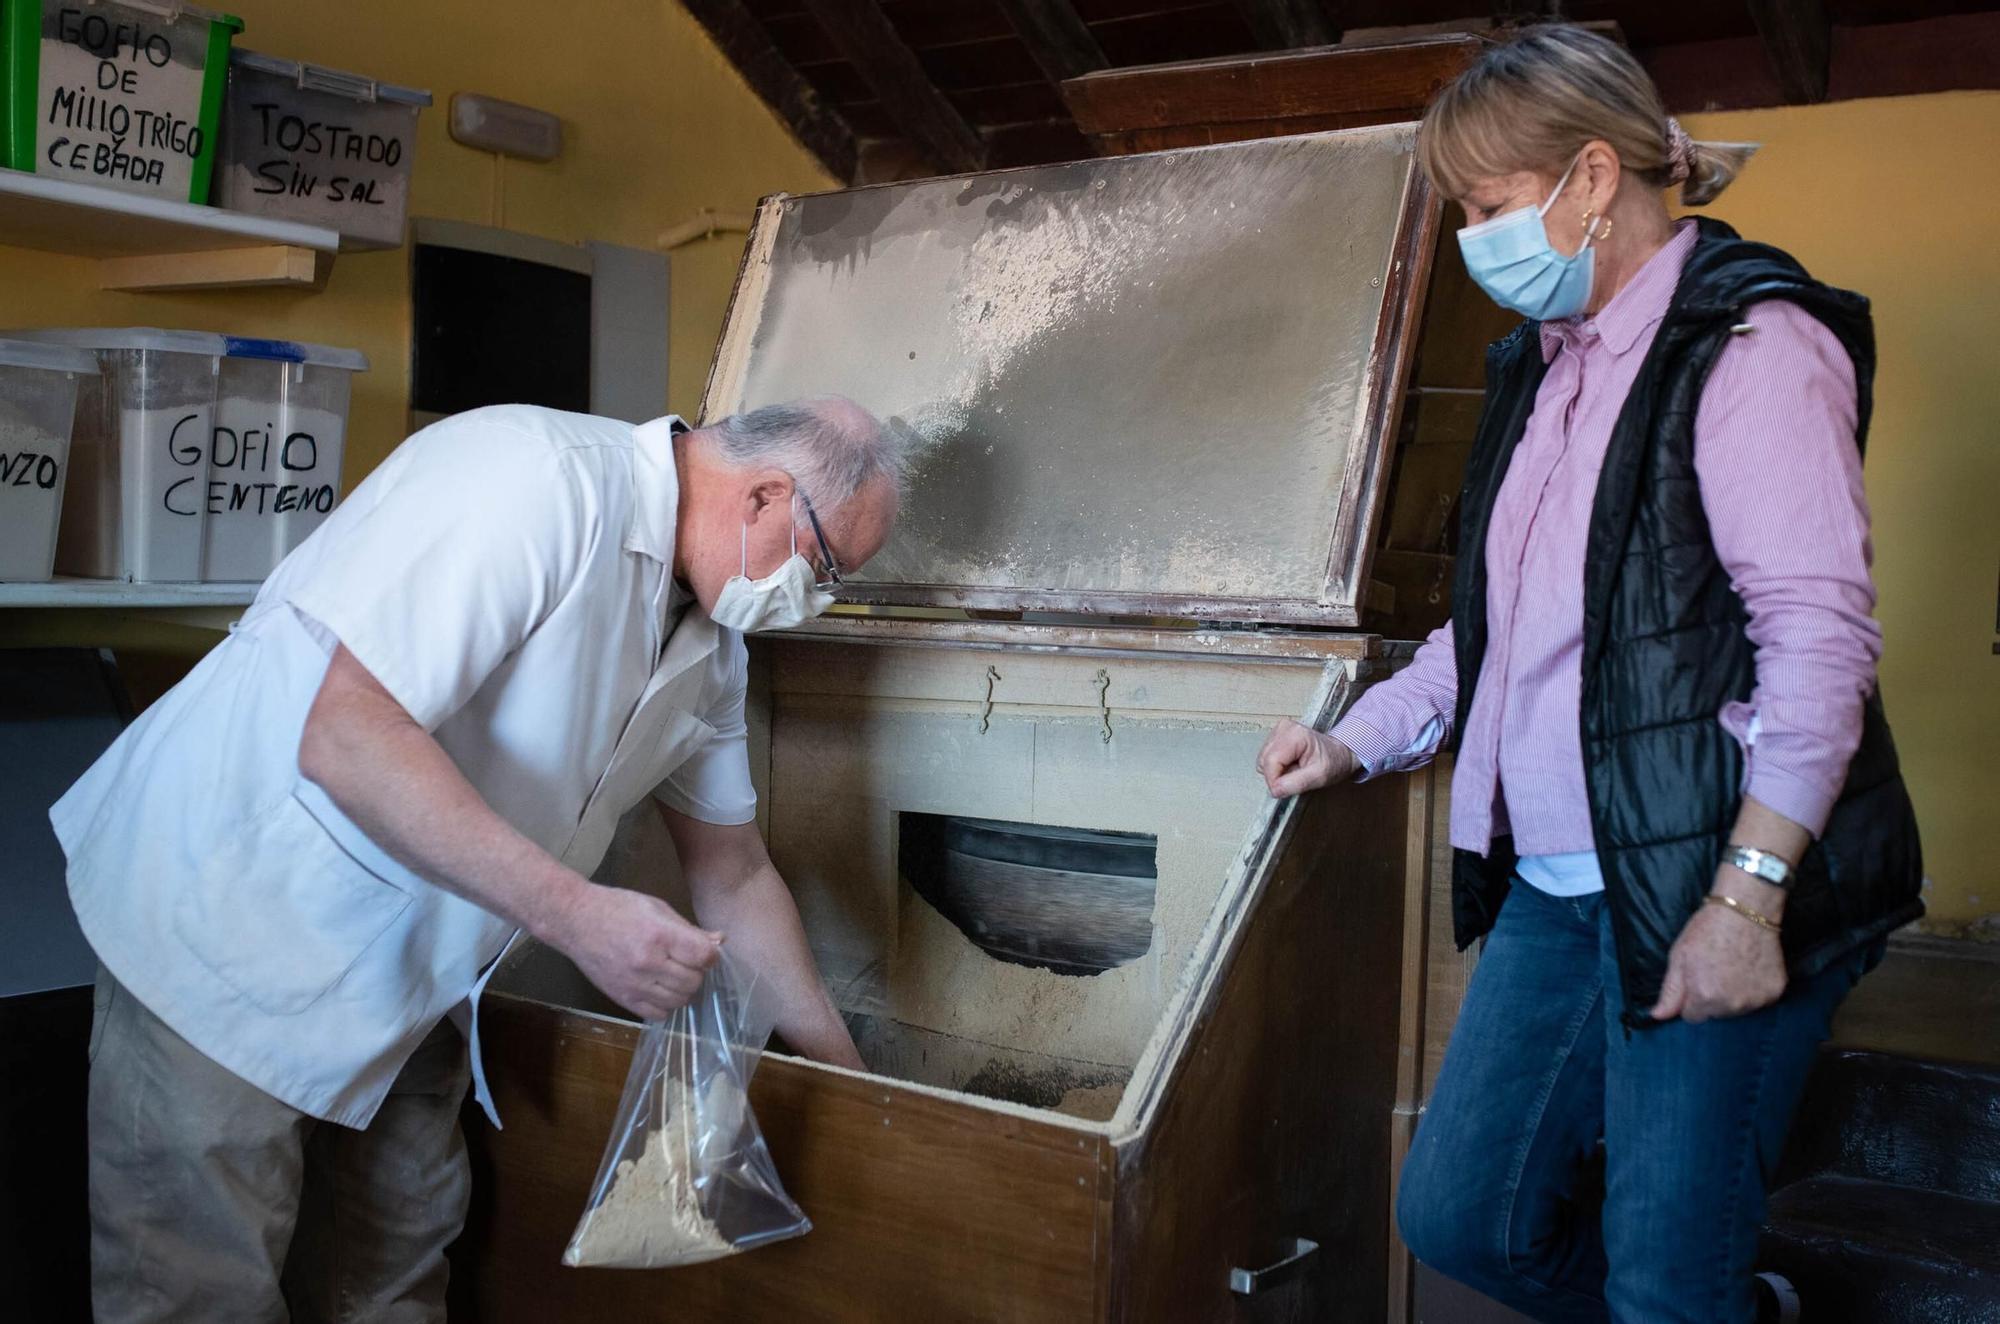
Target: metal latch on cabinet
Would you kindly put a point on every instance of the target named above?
(1249, 1282)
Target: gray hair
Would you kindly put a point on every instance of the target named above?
(830, 446)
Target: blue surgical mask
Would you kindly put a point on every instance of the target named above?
(1514, 262)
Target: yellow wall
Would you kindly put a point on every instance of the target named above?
(657, 125)
(1885, 197)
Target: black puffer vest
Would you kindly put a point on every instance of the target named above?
(1665, 648)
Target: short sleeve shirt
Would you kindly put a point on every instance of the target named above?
(507, 576)
(509, 582)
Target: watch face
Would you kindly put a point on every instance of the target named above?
(1760, 864)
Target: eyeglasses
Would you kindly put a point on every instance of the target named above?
(829, 572)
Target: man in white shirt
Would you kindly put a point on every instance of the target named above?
(415, 744)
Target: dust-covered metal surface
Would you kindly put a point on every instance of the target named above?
(1146, 381)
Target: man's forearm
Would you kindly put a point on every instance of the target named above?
(765, 932)
(398, 785)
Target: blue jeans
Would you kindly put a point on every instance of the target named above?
(1506, 1188)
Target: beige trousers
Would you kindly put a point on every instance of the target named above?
(211, 1201)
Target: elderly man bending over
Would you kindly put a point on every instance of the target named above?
(418, 742)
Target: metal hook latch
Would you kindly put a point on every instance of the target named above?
(1104, 701)
(1436, 595)
(986, 713)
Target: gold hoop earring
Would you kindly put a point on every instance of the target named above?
(1590, 219)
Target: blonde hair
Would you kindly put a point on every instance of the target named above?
(1532, 103)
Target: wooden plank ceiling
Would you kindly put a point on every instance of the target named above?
(888, 89)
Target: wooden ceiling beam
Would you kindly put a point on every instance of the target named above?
(1254, 96)
(869, 42)
(819, 128)
(1056, 37)
(1513, 13)
(1798, 39)
(1281, 25)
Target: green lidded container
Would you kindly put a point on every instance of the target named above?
(123, 94)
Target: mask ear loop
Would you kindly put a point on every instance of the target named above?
(1561, 184)
(1591, 217)
(743, 556)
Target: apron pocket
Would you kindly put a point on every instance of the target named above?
(281, 913)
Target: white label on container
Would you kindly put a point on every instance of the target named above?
(120, 98)
(318, 157)
(254, 468)
(247, 487)
(344, 164)
(31, 479)
(36, 469)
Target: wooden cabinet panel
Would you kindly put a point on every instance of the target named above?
(1277, 1124)
(925, 1207)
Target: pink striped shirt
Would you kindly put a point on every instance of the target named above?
(1781, 485)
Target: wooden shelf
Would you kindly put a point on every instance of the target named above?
(118, 595)
(145, 243)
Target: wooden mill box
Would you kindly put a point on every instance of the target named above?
(1154, 400)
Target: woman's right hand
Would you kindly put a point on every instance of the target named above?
(1296, 759)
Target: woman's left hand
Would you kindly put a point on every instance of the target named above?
(1723, 964)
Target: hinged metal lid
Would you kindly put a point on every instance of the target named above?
(1147, 385)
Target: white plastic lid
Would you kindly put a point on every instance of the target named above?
(128, 337)
(52, 358)
(198, 342)
(185, 10)
(175, 11)
(318, 78)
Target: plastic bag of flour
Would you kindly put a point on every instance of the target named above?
(686, 1176)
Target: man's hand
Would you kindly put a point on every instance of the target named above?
(634, 947)
(1724, 964)
(1296, 759)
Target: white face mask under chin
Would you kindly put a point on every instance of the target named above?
(786, 597)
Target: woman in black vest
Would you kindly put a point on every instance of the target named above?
(1676, 804)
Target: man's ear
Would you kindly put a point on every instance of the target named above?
(773, 487)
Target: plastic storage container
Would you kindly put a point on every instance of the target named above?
(302, 143)
(198, 456)
(38, 385)
(122, 93)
